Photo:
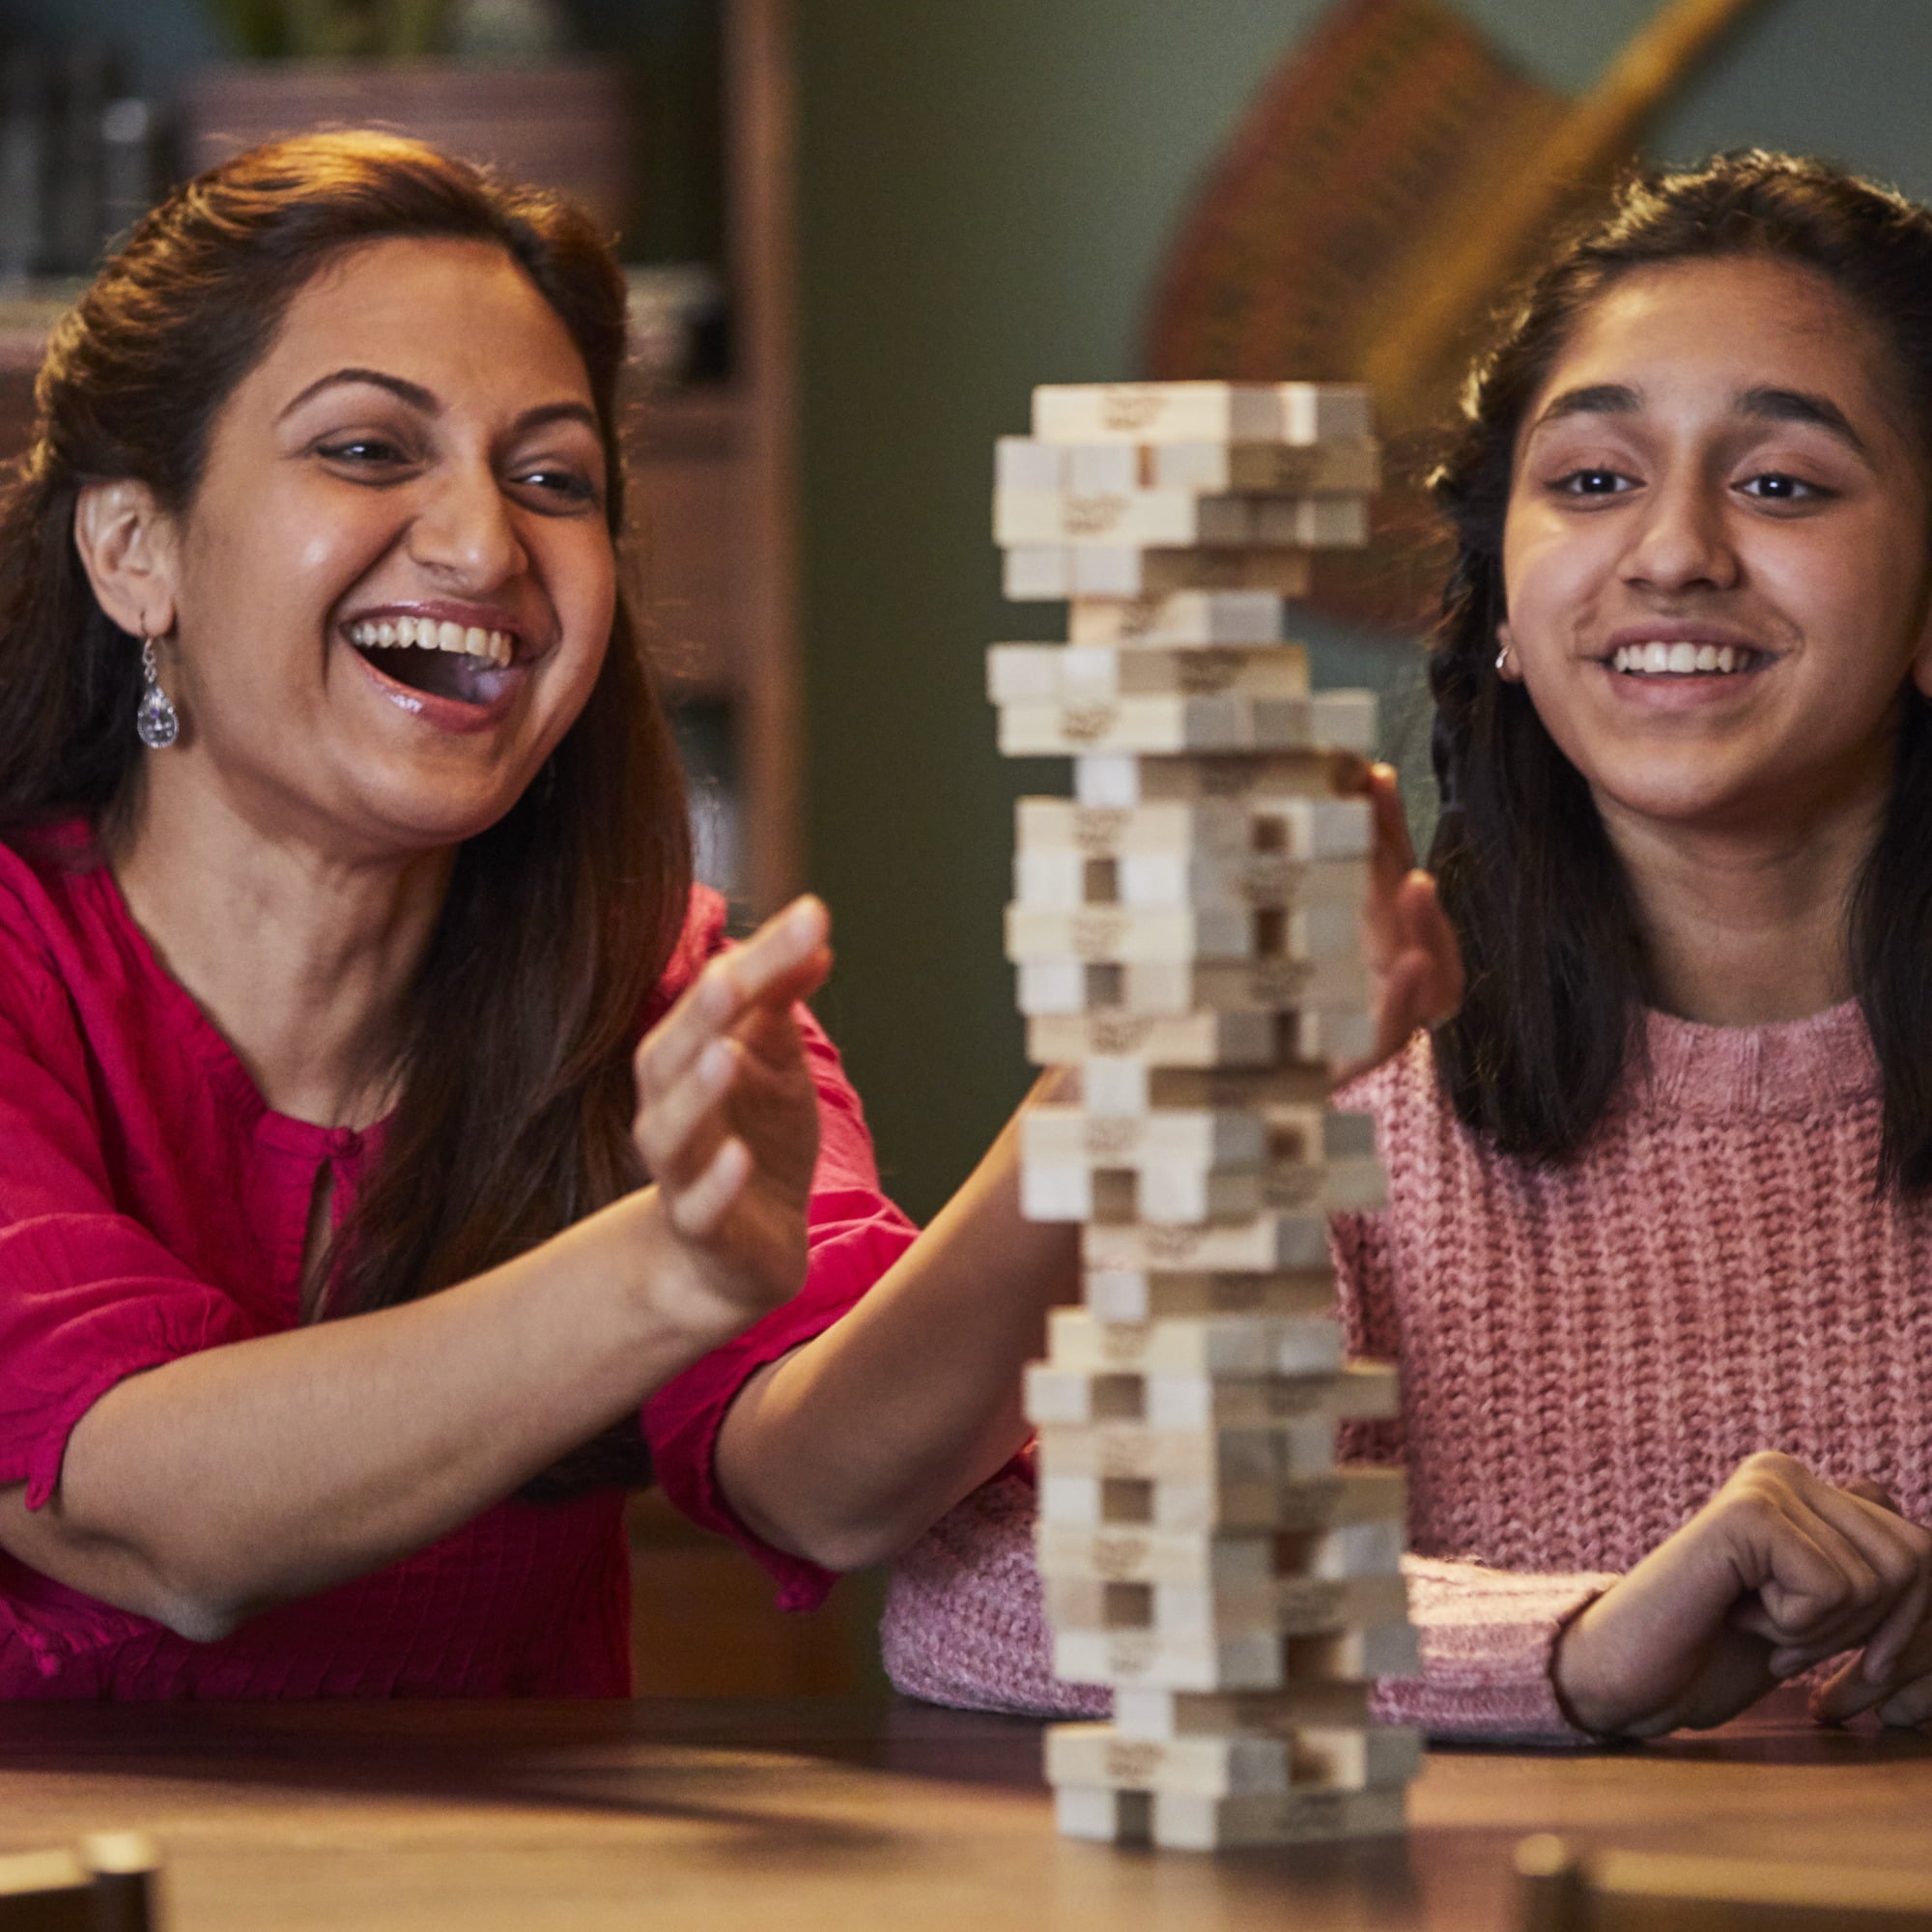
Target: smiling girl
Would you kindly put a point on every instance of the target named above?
(1656, 1263)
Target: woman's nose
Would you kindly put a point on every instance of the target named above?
(463, 531)
(1681, 540)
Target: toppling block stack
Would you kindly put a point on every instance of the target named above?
(1187, 933)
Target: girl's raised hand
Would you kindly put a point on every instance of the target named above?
(1414, 962)
(1779, 1570)
(727, 1121)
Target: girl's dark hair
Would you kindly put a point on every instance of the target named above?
(515, 1085)
(1556, 969)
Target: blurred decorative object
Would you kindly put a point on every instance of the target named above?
(506, 30)
(77, 215)
(332, 29)
(25, 131)
(567, 126)
(130, 179)
(1391, 180)
(677, 321)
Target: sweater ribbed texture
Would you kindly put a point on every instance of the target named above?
(1588, 1351)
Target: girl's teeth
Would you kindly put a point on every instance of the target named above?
(1679, 660)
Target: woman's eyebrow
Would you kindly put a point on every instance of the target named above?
(413, 393)
(1593, 399)
(1800, 405)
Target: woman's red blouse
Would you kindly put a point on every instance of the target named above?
(152, 1205)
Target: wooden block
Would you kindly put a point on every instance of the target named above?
(1184, 1822)
(1115, 1087)
(1320, 469)
(1219, 1344)
(1108, 778)
(1296, 830)
(46, 1891)
(1137, 517)
(1176, 1193)
(1141, 1294)
(1156, 413)
(1036, 571)
(1288, 1452)
(1122, 935)
(1101, 673)
(1222, 1505)
(1181, 620)
(1339, 720)
(1250, 1661)
(1270, 1241)
(1326, 1757)
(1107, 1817)
(1355, 1392)
(1313, 523)
(1196, 1039)
(1235, 1135)
(1304, 992)
(1142, 1553)
(1061, 878)
(1143, 1711)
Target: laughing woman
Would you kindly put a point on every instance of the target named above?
(1656, 1263)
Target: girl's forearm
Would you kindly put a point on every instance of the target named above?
(204, 1490)
(852, 1445)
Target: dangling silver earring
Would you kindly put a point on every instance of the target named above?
(1503, 661)
(157, 722)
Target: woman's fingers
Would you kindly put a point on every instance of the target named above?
(785, 957)
(677, 1131)
(695, 1211)
(1428, 933)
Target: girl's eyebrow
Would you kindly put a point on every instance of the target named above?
(1764, 403)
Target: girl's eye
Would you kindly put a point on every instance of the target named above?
(362, 451)
(569, 486)
(1774, 486)
(1593, 482)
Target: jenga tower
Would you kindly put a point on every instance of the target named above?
(1186, 930)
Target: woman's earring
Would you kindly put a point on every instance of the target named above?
(1503, 662)
(157, 722)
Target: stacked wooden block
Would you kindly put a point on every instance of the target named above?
(1186, 931)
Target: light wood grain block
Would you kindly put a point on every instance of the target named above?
(1143, 1295)
(1106, 777)
(1202, 412)
(1216, 1344)
(1033, 571)
(1147, 1553)
(1358, 1391)
(1317, 1757)
(1314, 997)
(1250, 1661)
(1220, 829)
(1123, 935)
(1223, 1504)
(1287, 1454)
(1250, 1038)
(1269, 1242)
(1062, 878)
(1274, 469)
(1101, 673)
(1172, 725)
(1142, 1711)
(1181, 1194)
(1103, 1816)
(1137, 517)
(1313, 523)
(1117, 1087)
(1183, 1822)
(1183, 621)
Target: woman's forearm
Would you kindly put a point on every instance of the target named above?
(853, 1444)
(206, 1490)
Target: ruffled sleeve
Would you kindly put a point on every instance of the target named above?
(854, 1234)
(88, 1297)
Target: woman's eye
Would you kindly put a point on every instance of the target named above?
(1593, 482)
(568, 486)
(362, 451)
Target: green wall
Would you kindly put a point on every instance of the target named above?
(987, 188)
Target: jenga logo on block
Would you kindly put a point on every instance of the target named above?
(1098, 931)
(1119, 1558)
(1123, 410)
(1123, 1341)
(1171, 1244)
(1204, 672)
(1094, 516)
(1120, 1036)
(1130, 1762)
(1098, 829)
(1082, 723)
(1109, 1138)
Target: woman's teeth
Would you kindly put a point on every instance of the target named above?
(1681, 660)
(426, 634)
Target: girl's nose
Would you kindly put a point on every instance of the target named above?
(1681, 540)
(464, 532)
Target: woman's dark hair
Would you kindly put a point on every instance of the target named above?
(1556, 969)
(516, 1095)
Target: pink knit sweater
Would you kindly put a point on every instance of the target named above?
(1586, 1353)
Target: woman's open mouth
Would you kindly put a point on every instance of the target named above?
(466, 664)
(1685, 660)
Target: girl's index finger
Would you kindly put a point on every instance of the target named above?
(1394, 851)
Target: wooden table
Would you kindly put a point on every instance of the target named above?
(804, 1813)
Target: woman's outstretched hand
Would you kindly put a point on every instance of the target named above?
(727, 1122)
(1778, 1571)
(1414, 962)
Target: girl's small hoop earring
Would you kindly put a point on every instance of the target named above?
(157, 722)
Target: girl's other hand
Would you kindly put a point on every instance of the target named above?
(1778, 1571)
(1899, 1685)
(728, 1121)
(1414, 962)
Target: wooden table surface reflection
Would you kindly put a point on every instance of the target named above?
(828, 1812)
